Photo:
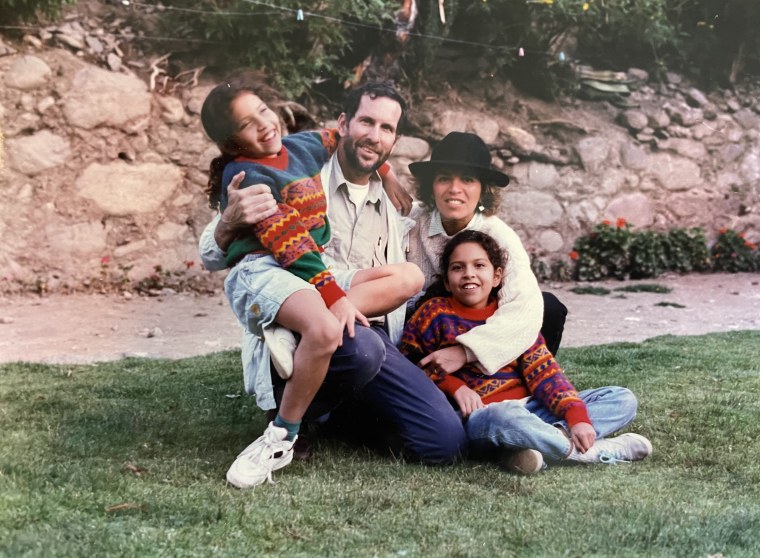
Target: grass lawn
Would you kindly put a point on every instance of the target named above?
(128, 459)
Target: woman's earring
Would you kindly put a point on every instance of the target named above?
(481, 208)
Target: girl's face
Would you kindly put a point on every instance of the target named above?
(471, 275)
(456, 193)
(259, 132)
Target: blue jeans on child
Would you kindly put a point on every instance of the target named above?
(516, 425)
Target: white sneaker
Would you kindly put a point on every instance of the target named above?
(282, 345)
(255, 463)
(621, 449)
(523, 462)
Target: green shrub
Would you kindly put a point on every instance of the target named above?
(686, 250)
(297, 54)
(29, 10)
(620, 252)
(732, 252)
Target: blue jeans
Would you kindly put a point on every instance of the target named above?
(376, 381)
(515, 425)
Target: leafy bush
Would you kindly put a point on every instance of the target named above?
(296, 52)
(732, 252)
(29, 10)
(620, 252)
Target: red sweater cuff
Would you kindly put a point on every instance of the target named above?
(331, 292)
(577, 414)
(384, 169)
(450, 384)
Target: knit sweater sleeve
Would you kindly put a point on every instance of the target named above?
(547, 382)
(288, 239)
(517, 321)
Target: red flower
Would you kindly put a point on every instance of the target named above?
(574, 255)
(189, 264)
(607, 222)
(621, 223)
(105, 260)
(750, 245)
(722, 231)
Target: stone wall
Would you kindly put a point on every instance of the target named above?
(97, 168)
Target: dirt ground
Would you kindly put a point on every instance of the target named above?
(76, 329)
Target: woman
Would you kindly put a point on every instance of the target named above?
(456, 188)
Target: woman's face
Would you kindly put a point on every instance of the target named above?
(456, 193)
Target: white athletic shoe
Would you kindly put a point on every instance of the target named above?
(282, 345)
(621, 449)
(256, 463)
(523, 462)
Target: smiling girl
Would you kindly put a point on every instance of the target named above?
(528, 410)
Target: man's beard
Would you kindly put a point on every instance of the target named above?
(350, 151)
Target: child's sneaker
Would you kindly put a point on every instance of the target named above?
(255, 463)
(282, 345)
(523, 462)
(621, 449)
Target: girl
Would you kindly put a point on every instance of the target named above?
(528, 411)
(279, 274)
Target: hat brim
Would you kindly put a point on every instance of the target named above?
(488, 175)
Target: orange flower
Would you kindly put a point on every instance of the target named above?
(621, 223)
(573, 255)
(722, 230)
(105, 260)
(607, 222)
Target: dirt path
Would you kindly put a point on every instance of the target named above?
(92, 328)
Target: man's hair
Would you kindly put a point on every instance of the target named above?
(373, 90)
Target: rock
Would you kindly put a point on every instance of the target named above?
(633, 157)
(685, 147)
(747, 119)
(27, 72)
(450, 121)
(593, 152)
(113, 61)
(143, 188)
(633, 119)
(673, 78)
(519, 140)
(101, 98)
(534, 209)
(637, 74)
(34, 154)
(6, 50)
(44, 104)
(685, 115)
(733, 105)
(71, 34)
(696, 98)
(412, 148)
(95, 45)
(83, 239)
(731, 152)
(172, 109)
(658, 119)
(486, 127)
(6, 320)
(674, 172)
(637, 209)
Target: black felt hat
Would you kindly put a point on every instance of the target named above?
(461, 150)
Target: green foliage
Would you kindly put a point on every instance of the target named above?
(30, 10)
(620, 252)
(297, 54)
(732, 252)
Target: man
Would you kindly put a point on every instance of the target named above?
(365, 233)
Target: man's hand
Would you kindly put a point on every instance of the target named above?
(468, 401)
(348, 315)
(399, 197)
(245, 207)
(583, 436)
(444, 361)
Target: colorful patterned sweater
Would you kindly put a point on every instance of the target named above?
(296, 233)
(436, 324)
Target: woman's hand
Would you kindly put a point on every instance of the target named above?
(468, 401)
(583, 436)
(444, 361)
(348, 315)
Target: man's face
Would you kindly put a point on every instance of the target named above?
(367, 140)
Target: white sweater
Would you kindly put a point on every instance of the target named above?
(516, 324)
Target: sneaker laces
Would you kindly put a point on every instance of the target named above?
(610, 458)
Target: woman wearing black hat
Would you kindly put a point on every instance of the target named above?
(457, 190)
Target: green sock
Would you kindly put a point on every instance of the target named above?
(291, 427)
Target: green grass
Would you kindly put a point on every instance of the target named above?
(128, 459)
(645, 288)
